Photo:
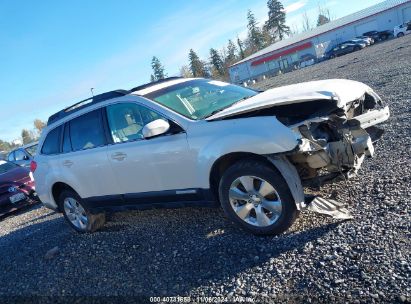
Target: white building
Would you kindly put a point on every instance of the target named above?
(282, 55)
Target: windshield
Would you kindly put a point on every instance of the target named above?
(200, 98)
(6, 166)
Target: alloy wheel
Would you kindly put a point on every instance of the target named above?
(75, 213)
(255, 201)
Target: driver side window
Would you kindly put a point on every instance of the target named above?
(126, 121)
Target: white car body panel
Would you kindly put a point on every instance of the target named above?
(153, 163)
(342, 90)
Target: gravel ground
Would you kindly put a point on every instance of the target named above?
(196, 252)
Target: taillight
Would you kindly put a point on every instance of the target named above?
(33, 166)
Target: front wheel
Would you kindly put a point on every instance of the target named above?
(257, 198)
(399, 35)
(78, 217)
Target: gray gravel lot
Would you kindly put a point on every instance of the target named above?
(197, 252)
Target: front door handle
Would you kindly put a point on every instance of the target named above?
(67, 163)
(119, 156)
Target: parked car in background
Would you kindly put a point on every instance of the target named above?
(306, 60)
(22, 156)
(379, 35)
(344, 48)
(369, 40)
(17, 188)
(403, 29)
(200, 142)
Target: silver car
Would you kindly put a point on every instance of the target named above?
(23, 155)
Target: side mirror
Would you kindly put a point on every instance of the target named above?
(155, 128)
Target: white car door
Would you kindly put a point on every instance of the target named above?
(84, 163)
(154, 169)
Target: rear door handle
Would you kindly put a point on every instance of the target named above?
(119, 156)
(67, 163)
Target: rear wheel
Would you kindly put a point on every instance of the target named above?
(257, 198)
(78, 217)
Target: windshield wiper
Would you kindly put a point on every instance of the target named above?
(229, 106)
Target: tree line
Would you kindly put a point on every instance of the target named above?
(258, 37)
(27, 136)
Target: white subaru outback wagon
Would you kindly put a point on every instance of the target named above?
(191, 142)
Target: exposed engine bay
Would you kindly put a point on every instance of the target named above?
(334, 139)
(336, 145)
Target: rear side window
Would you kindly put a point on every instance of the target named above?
(52, 142)
(86, 131)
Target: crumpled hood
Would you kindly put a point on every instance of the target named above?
(340, 90)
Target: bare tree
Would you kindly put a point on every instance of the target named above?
(39, 125)
(306, 23)
(323, 15)
(185, 72)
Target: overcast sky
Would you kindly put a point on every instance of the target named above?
(53, 52)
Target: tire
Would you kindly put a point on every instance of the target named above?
(399, 35)
(77, 215)
(357, 48)
(252, 214)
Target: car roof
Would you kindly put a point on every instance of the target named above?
(25, 146)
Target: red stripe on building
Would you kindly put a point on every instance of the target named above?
(283, 53)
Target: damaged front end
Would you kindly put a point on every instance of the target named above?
(333, 147)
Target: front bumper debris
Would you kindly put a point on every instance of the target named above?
(329, 207)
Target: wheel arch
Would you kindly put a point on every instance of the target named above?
(278, 162)
(57, 189)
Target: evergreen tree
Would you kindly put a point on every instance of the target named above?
(276, 20)
(158, 69)
(241, 48)
(255, 36)
(231, 53)
(197, 67)
(216, 62)
(26, 136)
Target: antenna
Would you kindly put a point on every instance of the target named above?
(92, 93)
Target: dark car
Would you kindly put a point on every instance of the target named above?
(23, 155)
(344, 48)
(379, 35)
(17, 187)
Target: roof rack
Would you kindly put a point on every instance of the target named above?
(143, 86)
(85, 103)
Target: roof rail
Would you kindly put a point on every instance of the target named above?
(99, 98)
(85, 103)
(143, 86)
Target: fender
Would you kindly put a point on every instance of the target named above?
(257, 135)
